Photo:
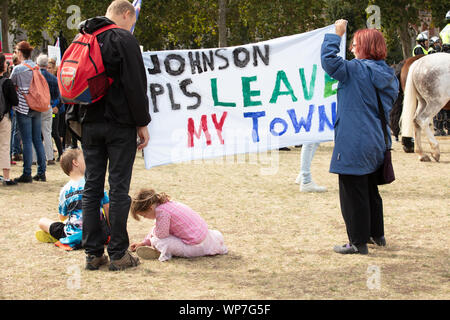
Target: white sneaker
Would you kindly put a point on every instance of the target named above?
(312, 187)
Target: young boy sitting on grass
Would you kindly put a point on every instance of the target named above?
(67, 232)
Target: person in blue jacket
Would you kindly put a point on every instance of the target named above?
(359, 140)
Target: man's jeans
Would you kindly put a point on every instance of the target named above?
(46, 122)
(103, 142)
(30, 131)
(46, 130)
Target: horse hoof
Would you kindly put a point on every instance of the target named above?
(408, 144)
(424, 158)
(408, 149)
(436, 156)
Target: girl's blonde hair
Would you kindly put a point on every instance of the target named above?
(144, 199)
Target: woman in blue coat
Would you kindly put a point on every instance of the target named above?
(359, 141)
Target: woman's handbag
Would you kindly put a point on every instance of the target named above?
(385, 174)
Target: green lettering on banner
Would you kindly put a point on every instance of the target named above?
(308, 94)
(217, 103)
(247, 93)
(281, 76)
(329, 82)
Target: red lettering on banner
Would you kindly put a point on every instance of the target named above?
(204, 127)
(219, 125)
(192, 132)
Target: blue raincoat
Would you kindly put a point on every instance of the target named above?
(359, 141)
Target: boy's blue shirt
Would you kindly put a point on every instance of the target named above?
(70, 205)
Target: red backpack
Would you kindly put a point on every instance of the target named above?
(81, 75)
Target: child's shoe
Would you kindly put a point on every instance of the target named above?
(63, 246)
(43, 236)
(147, 253)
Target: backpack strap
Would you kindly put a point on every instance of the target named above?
(27, 65)
(105, 28)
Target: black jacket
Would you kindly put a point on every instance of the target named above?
(11, 99)
(126, 103)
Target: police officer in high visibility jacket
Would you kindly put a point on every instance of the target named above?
(445, 34)
(435, 45)
(422, 45)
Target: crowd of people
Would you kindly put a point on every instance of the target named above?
(28, 135)
(90, 218)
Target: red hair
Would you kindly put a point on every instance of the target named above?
(370, 44)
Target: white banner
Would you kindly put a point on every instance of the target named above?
(215, 102)
(55, 53)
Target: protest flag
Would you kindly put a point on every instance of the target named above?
(137, 7)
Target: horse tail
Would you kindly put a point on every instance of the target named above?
(409, 104)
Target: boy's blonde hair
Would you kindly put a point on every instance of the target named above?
(67, 158)
(144, 199)
(119, 7)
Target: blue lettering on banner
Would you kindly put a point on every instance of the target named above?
(298, 124)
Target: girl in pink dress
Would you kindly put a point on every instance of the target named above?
(178, 231)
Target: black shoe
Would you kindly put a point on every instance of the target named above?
(40, 177)
(93, 262)
(379, 241)
(351, 249)
(24, 179)
(9, 183)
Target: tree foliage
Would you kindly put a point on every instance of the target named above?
(175, 24)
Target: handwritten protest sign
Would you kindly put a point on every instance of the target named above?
(216, 102)
(55, 53)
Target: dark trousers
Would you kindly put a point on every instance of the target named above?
(105, 144)
(55, 134)
(362, 207)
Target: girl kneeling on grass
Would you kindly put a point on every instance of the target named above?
(178, 231)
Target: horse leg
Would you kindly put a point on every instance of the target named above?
(418, 143)
(435, 152)
(419, 122)
(409, 108)
(424, 118)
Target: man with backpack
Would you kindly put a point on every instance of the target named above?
(109, 129)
